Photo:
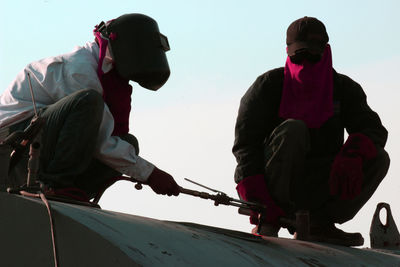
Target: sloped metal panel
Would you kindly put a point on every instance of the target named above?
(25, 238)
(113, 236)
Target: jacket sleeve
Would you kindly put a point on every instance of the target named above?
(358, 117)
(119, 154)
(254, 124)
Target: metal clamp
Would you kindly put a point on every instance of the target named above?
(384, 236)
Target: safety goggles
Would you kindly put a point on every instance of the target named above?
(304, 54)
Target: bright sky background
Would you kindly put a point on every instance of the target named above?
(218, 48)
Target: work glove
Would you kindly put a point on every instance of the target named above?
(163, 183)
(254, 189)
(346, 175)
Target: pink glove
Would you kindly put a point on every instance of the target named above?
(163, 183)
(346, 175)
(253, 188)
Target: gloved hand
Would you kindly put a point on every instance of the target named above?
(346, 175)
(163, 183)
(253, 188)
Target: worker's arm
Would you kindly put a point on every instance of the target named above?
(257, 117)
(358, 117)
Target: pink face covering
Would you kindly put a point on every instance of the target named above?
(308, 91)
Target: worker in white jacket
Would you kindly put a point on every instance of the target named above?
(84, 97)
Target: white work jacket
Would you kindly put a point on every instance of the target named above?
(56, 77)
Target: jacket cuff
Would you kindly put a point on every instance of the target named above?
(358, 144)
(252, 187)
(140, 171)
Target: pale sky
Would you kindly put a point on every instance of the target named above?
(218, 48)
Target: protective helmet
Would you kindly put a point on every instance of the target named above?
(138, 49)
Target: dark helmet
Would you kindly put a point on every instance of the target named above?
(138, 49)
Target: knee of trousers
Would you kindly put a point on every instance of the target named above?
(383, 158)
(380, 164)
(90, 101)
(89, 97)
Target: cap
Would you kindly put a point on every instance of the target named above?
(306, 33)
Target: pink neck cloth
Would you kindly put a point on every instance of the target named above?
(308, 91)
(116, 91)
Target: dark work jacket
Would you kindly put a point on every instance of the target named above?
(259, 115)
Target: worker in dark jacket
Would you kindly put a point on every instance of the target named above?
(289, 140)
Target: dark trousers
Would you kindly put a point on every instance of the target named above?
(297, 181)
(68, 141)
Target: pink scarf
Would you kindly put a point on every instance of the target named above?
(116, 92)
(308, 91)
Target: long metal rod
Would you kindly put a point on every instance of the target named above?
(206, 187)
(32, 95)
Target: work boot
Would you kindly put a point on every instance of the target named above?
(266, 229)
(330, 234)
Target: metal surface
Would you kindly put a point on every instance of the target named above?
(95, 237)
(26, 237)
(384, 236)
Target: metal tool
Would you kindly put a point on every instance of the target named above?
(300, 224)
(19, 141)
(34, 149)
(222, 198)
(384, 236)
(206, 187)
